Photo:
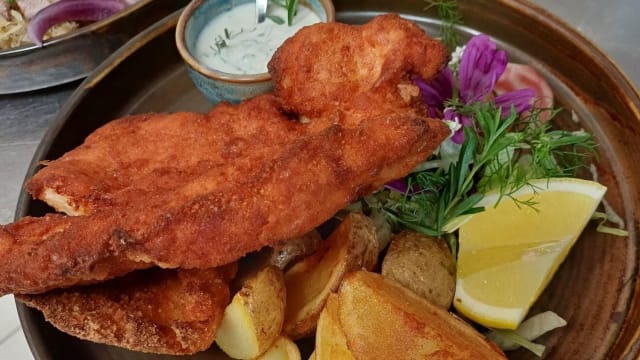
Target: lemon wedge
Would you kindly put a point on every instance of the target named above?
(509, 252)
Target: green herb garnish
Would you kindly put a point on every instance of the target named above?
(219, 43)
(504, 154)
(276, 19)
(451, 18)
(292, 9)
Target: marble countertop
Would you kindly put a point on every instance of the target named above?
(24, 119)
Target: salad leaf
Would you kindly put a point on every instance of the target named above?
(529, 330)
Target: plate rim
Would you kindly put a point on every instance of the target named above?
(630, 96)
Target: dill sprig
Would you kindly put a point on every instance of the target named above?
(502, 153)
(290, 5)
(538, 151)
(451, 18)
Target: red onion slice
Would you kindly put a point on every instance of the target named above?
(70, 10)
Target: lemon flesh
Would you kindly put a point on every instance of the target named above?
(509, 253)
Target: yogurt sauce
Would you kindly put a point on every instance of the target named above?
(232, 42)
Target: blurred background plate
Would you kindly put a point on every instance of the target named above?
(595, 290)
(74, 55)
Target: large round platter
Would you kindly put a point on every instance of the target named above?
(596, 289)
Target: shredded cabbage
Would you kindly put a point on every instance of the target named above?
(529, 330)
(13, 31)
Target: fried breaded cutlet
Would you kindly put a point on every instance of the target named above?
(201, 190)
(363, 70)
(155, 310)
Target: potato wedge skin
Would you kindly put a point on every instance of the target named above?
(331, 342)
(253, 320)
(423, 264)
(291, 250)
(352, 246)
(383, 320)
(265, 296)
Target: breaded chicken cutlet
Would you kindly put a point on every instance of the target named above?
(158, 311)
(222, 211)
(199, 191)
(360, 70)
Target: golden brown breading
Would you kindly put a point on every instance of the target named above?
(138, 157)
(44, 253)
(353, 68)
(199, 191)
(155, 310)
(214, 214)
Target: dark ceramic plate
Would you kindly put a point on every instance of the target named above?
(595, 290)
(75, 55)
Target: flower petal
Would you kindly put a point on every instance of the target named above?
(435, 92)
(520, 99)
(519, 76)
(480, 67)
(402, 186)
(399, 185)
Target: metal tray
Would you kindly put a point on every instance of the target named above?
(75, 55)
(596, 289)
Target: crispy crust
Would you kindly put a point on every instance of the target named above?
(159, 311)
(202, 190)
(353, 68)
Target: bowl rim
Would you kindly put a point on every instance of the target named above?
(219, 75)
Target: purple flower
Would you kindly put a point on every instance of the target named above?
(401, 186)
(481, 65)
(520, 100)
(437, 91)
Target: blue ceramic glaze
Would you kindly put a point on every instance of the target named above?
(220, 90)
(218, 86)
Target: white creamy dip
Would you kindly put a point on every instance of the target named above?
(232, 42)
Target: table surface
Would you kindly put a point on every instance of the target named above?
(24, 119)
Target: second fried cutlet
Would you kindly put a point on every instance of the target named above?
(159, 311)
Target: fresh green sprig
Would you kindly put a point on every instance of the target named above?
(450, 16)
(502, 154)
(538, 151)
(445, 195)
(290, 5)
(276, 19)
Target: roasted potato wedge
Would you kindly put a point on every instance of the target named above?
(253, 320)
(352, 246)
(292, 250)
(331, 343)
(423, 264)
(282, 255)
(282, 349)
(383, 320)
